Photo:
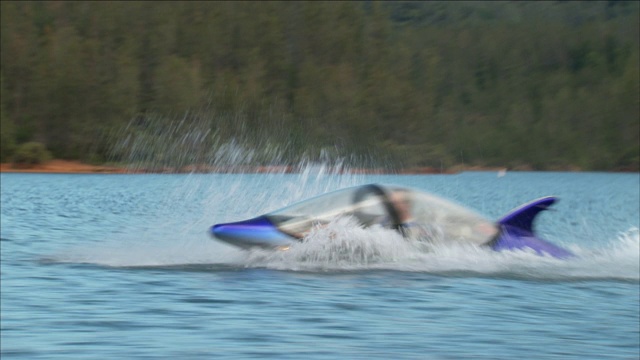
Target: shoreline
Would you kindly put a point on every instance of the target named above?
(76, 167)
(62, 167)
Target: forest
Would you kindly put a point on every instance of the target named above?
(551, 85)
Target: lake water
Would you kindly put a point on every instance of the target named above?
(121, 266)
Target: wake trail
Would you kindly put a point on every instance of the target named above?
(344, 247)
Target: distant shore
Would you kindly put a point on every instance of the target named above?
(76, 167)
(62, 167)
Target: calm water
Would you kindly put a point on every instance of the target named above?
(120, 266)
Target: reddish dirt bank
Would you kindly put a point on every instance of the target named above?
(76, 167)
(62, 167)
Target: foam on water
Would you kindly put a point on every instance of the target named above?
(344, 246)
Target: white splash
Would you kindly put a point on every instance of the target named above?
(342, 246)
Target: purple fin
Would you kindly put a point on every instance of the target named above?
(512, 238)
(517, 230)
(523, 216)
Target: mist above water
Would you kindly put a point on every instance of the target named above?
(193, 143)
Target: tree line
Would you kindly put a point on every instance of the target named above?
(542, 85)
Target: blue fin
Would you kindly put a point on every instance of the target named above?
(523, 216)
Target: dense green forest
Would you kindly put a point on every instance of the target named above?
(545, 85)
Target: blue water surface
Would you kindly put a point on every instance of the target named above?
(120, 266)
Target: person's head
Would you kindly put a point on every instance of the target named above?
(402, 203)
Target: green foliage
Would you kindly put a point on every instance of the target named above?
(524, 84)
(7, 132)
(7, 138)
(31, 153)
